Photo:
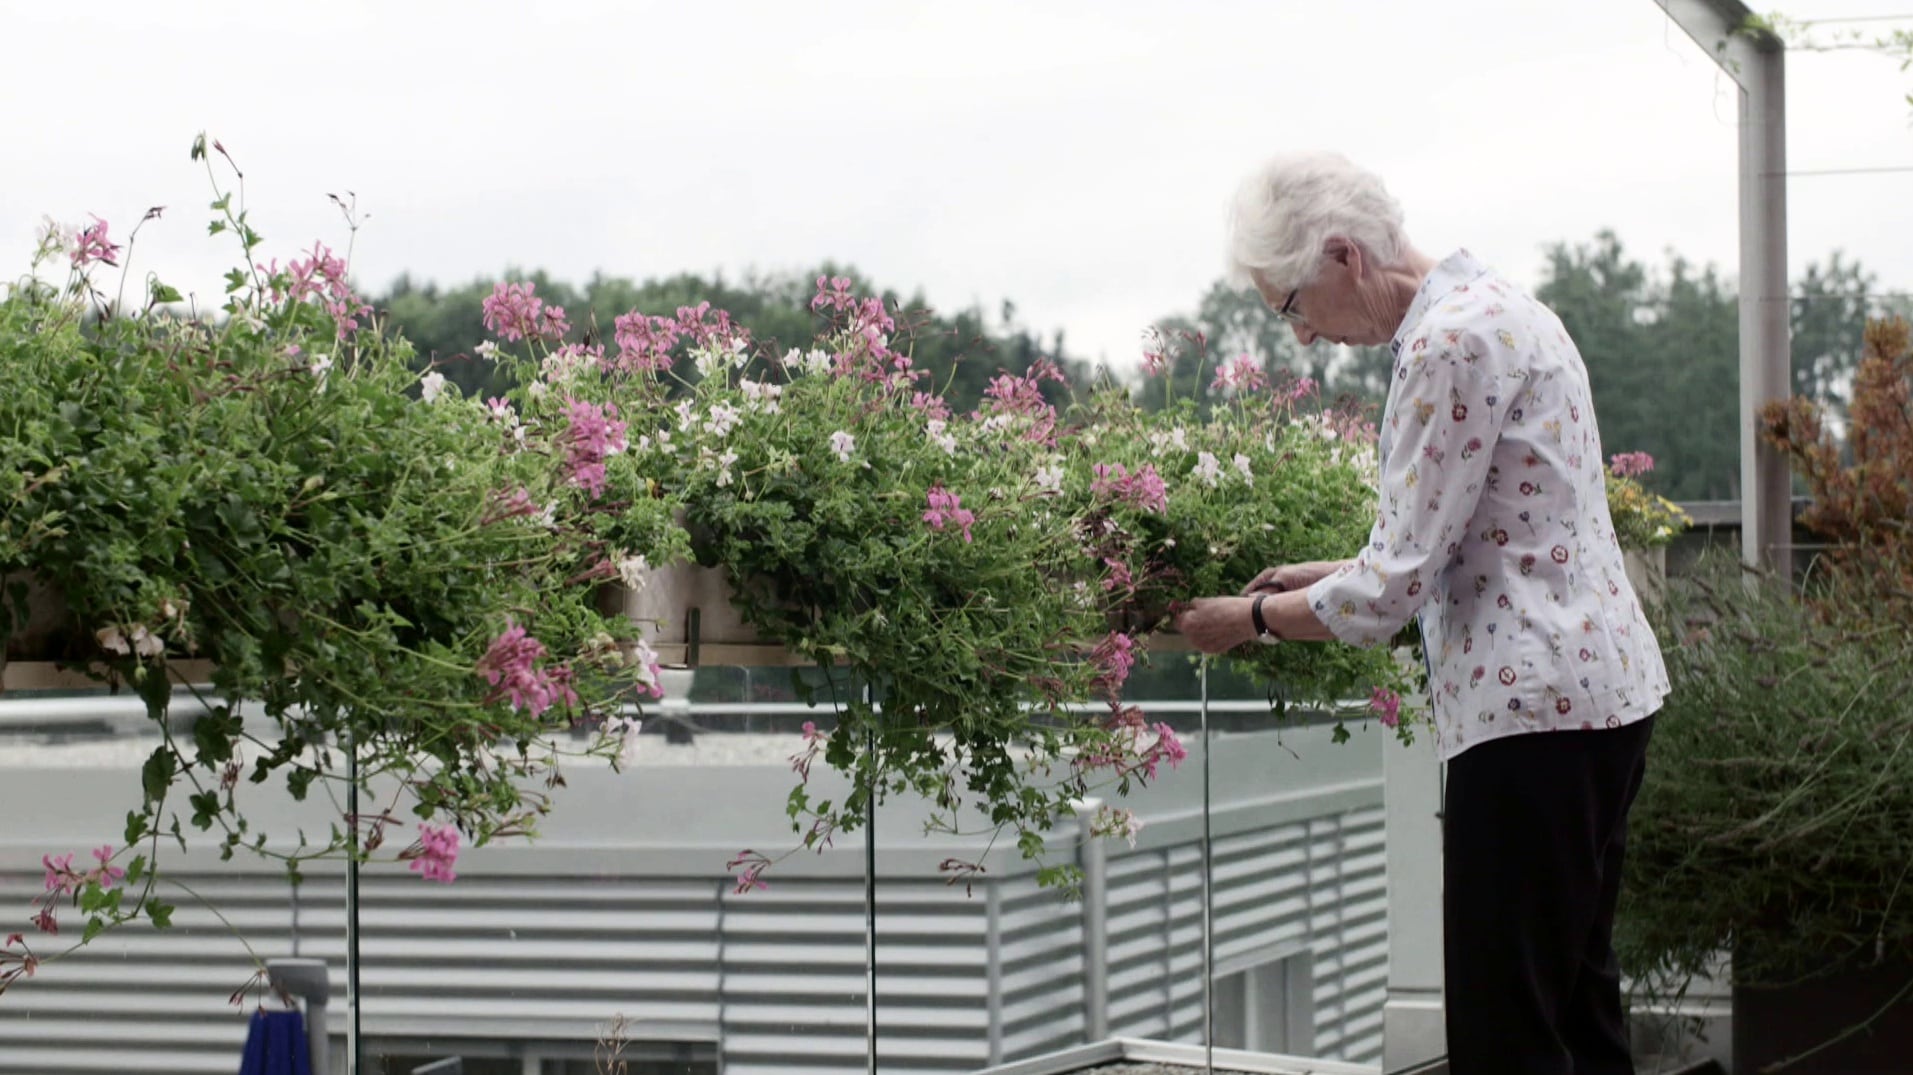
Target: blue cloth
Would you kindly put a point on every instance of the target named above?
(276, 1045)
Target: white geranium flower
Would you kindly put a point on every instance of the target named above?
(633, 571)
(145, 643)
(761, 396)
(626, 729)
(112, 641)
(935, 430)
(723, 419)
(431, 386)
(843, 444)
(1208, 470)
(1242, 467)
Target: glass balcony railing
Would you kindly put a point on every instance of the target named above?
(1250, 913)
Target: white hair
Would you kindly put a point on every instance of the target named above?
(1286, 209)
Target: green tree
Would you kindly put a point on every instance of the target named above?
(1830, 307)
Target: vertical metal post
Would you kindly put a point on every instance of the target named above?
(993, 967)
(1765, 346)
(1095, 866)
(870, 888)
(1208, 892)
(355, 1042)
(1755, 59)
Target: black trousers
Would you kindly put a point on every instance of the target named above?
(1533, 830)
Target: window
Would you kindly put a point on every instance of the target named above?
(1265, 1002)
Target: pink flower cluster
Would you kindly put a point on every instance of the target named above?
(510, 666)
(1241, 374)
(1023, 396)
(91, 245)
(438, 851)
(705, 325)
(594, 434)
(1629, 464)
(1155, 352)
(1124, 754)
(644, 343)
(25, 963)
(865, 317)
(62, 880)
(931, 404)
(946, 509)
(513, 312)
(1387, 705)
(1167, 747)
(1114, 656)
(752, 865)
(320, 276)
(1144, 489)
(512, 505)
(814, 742)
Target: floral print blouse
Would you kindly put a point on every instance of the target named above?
(1493, 526)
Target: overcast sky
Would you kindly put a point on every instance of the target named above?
(1072, 157)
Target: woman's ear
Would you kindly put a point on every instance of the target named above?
(1344, 252)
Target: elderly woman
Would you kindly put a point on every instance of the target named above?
(1492, 528)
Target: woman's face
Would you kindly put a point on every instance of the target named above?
(1346, 303)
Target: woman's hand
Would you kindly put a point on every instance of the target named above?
(1291, 577)
(1217, 624)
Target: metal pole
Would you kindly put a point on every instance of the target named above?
(1208, 865)
(870, 887)
(354, 1046)
(1765, 348)
(1095, 865)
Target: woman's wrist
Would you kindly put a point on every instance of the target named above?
(1259, 623)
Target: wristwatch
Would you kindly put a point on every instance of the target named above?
(1263, 632)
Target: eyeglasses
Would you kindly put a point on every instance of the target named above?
(1288, 312)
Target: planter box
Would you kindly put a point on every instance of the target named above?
(50, 631)
(1647, 571)
(1772, 1024)
(686, 614)
(51, 650)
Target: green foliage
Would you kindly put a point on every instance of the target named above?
(1286, 483)
(1776, 819)
(988, 577)
(274, 491)
(1642, 519)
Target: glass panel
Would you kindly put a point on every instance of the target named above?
(137, 998)
(619, 934)
(625, 909)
